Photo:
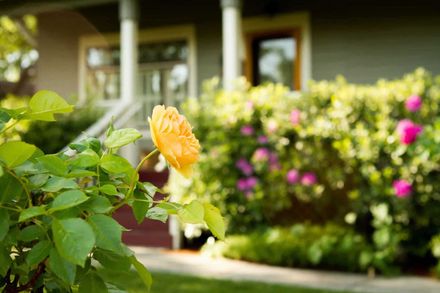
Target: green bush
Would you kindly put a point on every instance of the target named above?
(338, 152)
(51, 138)
(301, 245)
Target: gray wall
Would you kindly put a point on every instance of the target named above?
(58, 41)
(364, 42)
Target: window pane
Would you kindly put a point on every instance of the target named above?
(274, 60)
(163, 72)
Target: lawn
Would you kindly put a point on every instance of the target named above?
(163, 283)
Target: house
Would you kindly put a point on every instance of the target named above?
(129, 55)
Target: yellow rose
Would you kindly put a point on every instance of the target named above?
(172, 135)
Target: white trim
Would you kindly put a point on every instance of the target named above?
(282, 21)
(168, 33)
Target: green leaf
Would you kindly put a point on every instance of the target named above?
(109, 189)
(5, 261)
(144, 274)
(56, 183)
(192, 213)
(74, 239)
(30, 233)
(78, 173)
(67, 200)
(88, 143)
(4, 224)
(214, 220)
(140, 206)
(38, 180)
(149, 188)
(115, 164)
(53, 164)
(92, 282)
(15, 153)
(86, 159)
(44, 104)
(63, 269)
(112, 260)
(108, 233)
(31, 213)
(11, 189)
(122, 137)
(38, 253)
(170, 207)
(157, 213)
(98, 204)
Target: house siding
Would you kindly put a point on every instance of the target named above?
(362, 40)
(58, 39)
(365, 43)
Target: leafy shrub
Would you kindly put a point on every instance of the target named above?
(56, 210)
(301, 245)
(367, 155)
(51, 138)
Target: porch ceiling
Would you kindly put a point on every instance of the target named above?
(20, 7)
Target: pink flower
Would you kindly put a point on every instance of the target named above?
(246, 184)
(408, 131)
(308, 179)
(242, 184)
(261, 154)
(292, 176)
(247, 130)
(244, 166)
(295, 117)
(262, 139)
(413, 103)
(251, 182)
(402, 188)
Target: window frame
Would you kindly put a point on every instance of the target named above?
(295, 33)
(297, 21)
(152, 35)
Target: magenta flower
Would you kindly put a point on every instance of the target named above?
(242, 184)
(293, 176)
(413, 103)
(408, 131)
(261, 154)
(308, 179)
(262, 139)
(295, 117)
(244, 166)
(247, 130)
(246, 184)
(251, 182)
(402, 188)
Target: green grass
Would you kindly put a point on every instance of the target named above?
(164, 282)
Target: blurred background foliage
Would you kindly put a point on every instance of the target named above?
(260, 144)
(18, 54)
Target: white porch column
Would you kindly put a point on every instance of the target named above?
(128, 14)
(231, 10)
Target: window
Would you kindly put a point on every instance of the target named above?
(274, 57)
(163, 72)
(166, 67)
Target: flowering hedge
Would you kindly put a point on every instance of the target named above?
(364, 155)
